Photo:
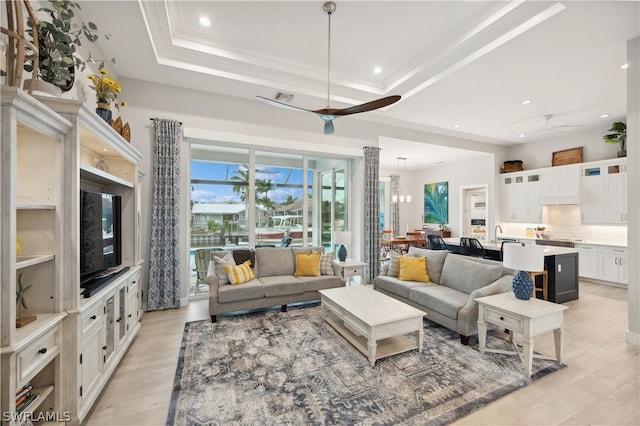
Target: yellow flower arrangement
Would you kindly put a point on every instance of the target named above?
(107, 88)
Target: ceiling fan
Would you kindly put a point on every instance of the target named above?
(328, 114)
(551, 123)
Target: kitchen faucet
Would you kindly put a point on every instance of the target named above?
(495, 232)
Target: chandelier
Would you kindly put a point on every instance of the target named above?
(401, 196)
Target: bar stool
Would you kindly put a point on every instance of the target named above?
(545, 284)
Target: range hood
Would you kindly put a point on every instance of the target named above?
(561, 185)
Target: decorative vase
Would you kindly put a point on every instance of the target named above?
(522, 285)
(622, 153)
(104, 111)
(342, 253)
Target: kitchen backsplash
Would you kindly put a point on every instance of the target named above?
(563, 222)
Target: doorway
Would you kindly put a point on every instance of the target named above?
(474, 202)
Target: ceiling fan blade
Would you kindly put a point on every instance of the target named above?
(328, 127)
(369, 106)
(281, 104)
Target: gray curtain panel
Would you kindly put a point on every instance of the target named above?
(372, 212)
(394, 220)
(164, 261)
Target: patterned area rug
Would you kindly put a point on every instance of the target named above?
(291, 368)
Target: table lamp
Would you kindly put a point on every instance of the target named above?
(524, 259)
(342, 238)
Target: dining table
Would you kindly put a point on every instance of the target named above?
(404, 242)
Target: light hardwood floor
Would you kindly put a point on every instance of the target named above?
(601, 384)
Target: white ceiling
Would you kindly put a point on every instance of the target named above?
(462, 68)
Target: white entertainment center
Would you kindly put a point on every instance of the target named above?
(52, 148)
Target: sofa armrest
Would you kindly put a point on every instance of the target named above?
(214, 283)
(501, 285)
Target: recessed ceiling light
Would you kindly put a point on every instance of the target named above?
(105, 149)
(377, 70)
(604, 116)
(205, 21)
(526, 102)
(522, 135)
(624, 66)
(456, 126)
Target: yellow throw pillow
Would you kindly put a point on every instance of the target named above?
(240, 274)
(308, 265)
(413, 269)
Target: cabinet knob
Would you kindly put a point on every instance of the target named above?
(119, 319)
(42, 351)
(129, 315)
(93, 317)
(104, 347)
(501, 318)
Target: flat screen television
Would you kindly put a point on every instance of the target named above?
(100, 235)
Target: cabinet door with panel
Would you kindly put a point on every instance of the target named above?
(588, 260)
(592, 195)
(615, 193)
(91, 357)
(534, 186)
(613, 264)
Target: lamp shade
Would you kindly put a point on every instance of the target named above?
(527, 258)
(342, 237)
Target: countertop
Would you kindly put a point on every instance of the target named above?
(548, 250)
(575, 241)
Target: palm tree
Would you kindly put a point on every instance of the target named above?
(290, 200)
(241, 186)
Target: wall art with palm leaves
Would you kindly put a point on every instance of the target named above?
(436, 202)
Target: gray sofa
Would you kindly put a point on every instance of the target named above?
(275, 283)
(456, 281)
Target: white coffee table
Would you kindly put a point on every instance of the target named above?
(528, 318)
(374, 323)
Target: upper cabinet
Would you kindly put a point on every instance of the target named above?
(604, 192)
(520, 193)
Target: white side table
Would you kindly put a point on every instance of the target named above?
(351, 268)
(528, 318)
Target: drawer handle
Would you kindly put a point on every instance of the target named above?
(42, 351)
(119, 319)
(501, 318)
(93, 317)
(104, 347)
(129, 315)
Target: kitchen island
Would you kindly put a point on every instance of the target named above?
(561, 264)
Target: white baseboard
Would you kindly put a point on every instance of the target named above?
(633, 338)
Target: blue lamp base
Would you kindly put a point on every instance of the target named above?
(522, 285)
(342, 253)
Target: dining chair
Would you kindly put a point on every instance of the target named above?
(435, 242)
(471, 247)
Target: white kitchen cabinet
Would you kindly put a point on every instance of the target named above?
(615, 190)
(588, 260)
(613, 264)
(520, 192)
(604, 193)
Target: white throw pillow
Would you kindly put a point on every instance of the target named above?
(220, 264)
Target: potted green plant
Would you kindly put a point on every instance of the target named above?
(58, 42)
(619, 136)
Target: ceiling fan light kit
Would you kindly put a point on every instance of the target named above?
(328, 114)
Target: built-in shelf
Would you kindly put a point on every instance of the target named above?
(42, 393)
(34, 206)
(99, 176)
(26, 261)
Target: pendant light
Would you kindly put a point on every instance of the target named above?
(401, 196)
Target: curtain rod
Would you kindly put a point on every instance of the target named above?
(153, 119)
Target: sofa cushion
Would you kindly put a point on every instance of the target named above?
(326, 263)
(274, 261)
(253, 289)
(435, 261)
(466, 275)
(220, 264)
(240, 274)
(242, 255)
(393, 263)
(321, 282)
(413, 269)
(308, 265)
(395, 286)
(282, 285)
(438, 298)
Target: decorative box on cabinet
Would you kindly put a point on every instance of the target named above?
(33, 211)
